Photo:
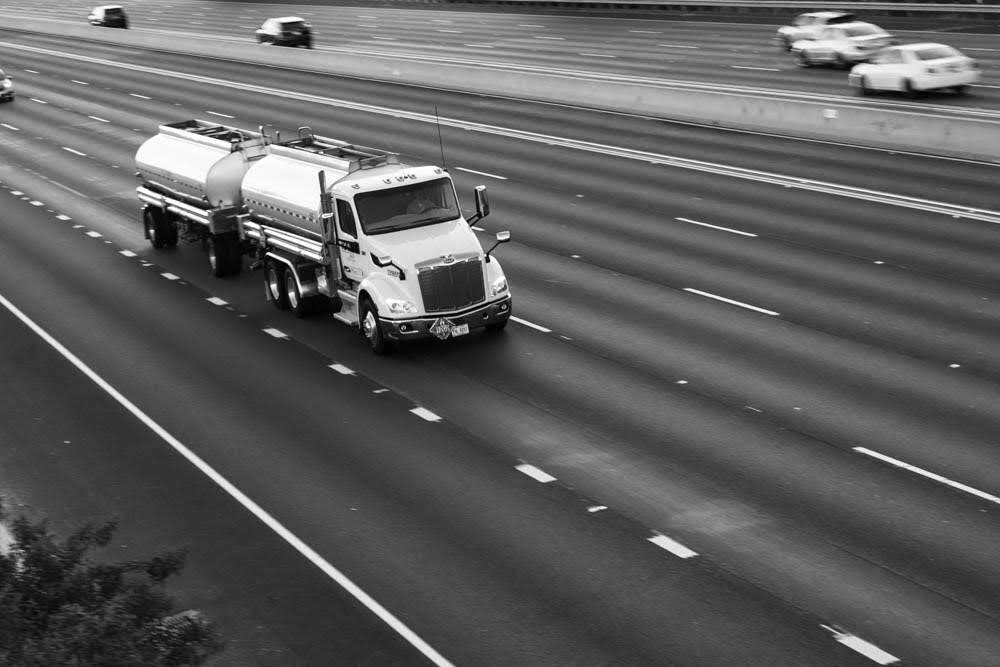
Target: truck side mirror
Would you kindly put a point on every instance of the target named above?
(482, 204)
(386, 260)
(502, 237)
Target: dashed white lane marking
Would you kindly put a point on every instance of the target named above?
(63, 217)
(865, 648)
(479, 46)
(679, 46)
(216, 301)
(170, 276)
(141, 97)
(10, 127)
(94, 235)
(597, 508)
(561, 39)
(103, 120)
(82, 83)
(529, 25)
(928, 474)
(598, 55)
(724, 229)
(291, 538)
(342, 369)
(379, 391)
(762, 69)
(424, 413)
(730, 301)
(447, 30)
(673, 546)
(530, 324)
(35, 99)
(127, 253)
(534, 473)
(481, 173)
(35, 202)
(388, 39)
(646, 32)
(31, 70)
(277, 333)
(477, 229)
(74, 151)
(16, 193)
(970, 48)
(216, 113)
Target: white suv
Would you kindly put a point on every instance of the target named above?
(809, 25)
(843, 45)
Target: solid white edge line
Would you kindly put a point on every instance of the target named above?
(530, 324)
(673, 546)
(724, 229)
(730, 301)
(481, 173)
(928, 474)
(333, 573)
(536, 474)
(216, 113)
(426, 414)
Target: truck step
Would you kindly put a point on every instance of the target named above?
(348, 313)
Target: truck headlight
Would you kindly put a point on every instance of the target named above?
(400, 306)
(498, 286)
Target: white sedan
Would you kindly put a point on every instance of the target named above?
(841, 45)
(915, 67)
(809, 25)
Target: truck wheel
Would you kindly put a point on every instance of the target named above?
(224, 255)
(274, 282)
(300, 307)
(371, 328)
(152, 224)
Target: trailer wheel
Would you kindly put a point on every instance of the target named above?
(371, 328)
(152, 223)
(224, 255)
(274, 283)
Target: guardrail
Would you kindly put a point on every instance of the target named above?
(987, 8)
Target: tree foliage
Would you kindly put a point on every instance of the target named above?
(58, 607)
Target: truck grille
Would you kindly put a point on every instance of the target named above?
(452, 286)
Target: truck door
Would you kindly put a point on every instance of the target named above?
(347, 240)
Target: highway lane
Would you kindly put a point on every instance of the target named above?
(653, 457)
(486, 563)
(739, 54)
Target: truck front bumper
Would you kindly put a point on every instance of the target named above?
(449, 326)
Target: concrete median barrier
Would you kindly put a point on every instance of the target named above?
(845, 121)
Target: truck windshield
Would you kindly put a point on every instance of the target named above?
(415, 205)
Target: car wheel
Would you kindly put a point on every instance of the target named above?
(371, 328)
(786, 44)
(274, 283)
(842, 62)
(863, 86)
(961, 89)
(908, 88)
(802, 59)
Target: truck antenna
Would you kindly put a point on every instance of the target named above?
(437, 121)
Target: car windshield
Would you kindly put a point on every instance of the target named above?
(861, 30)
(405, 207)
(843, 18)
(935, 52)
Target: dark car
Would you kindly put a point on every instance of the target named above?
(109, 16)
(285, 31)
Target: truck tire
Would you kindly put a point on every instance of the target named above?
(371, 328)
(274, 283)
(224, 255)
(161, 230)
(299, 305)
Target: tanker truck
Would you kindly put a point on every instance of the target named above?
(334, 227)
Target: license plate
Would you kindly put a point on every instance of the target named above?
(460, 330)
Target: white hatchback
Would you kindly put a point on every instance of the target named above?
(915, 67)
(842, 45)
